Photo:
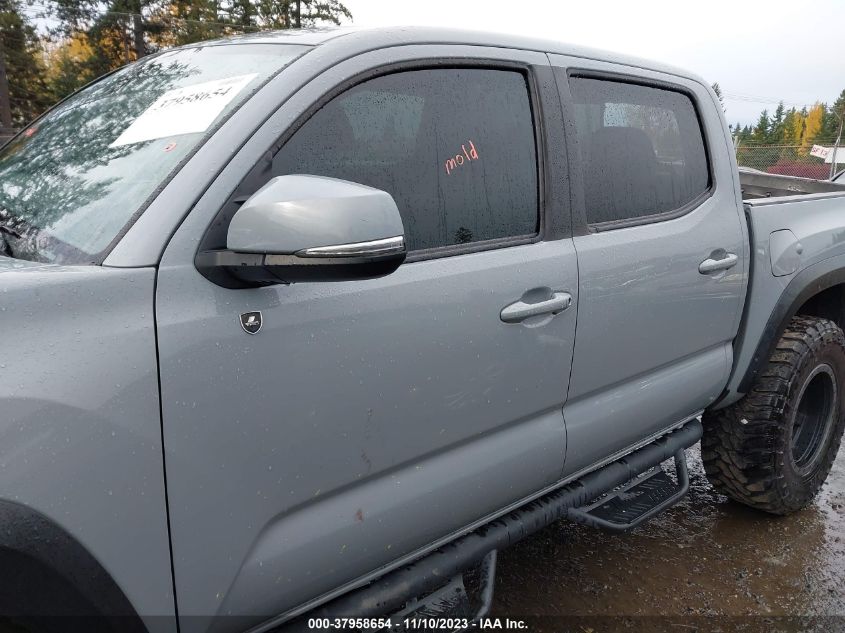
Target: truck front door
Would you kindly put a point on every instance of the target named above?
(368, 419)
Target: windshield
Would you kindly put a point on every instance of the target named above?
(72, 181)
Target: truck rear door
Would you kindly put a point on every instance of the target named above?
(662, 254)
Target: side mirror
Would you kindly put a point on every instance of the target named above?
(309, 228)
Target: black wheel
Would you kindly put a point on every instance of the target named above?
(773, 449)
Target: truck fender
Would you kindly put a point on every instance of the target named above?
(48, 574)
(804, 286)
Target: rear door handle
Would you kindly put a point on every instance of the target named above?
(519, 311)
(711, 265)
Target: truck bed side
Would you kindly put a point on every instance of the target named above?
(798, 244)
(758, 184)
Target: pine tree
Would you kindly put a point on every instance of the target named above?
(763, 128)
(96, 37)
(831, 121)
(284, 14)
(777, 132)
(793, 127)
(21, 50)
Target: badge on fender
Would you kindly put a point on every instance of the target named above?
(251, 322)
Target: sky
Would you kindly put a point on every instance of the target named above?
(759, 51)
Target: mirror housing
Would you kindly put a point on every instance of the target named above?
(308, 228)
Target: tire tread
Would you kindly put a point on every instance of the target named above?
(743, 446)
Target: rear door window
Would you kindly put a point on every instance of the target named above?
(642, 149)
(454, 147)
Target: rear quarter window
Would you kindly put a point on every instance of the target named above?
(642, 149)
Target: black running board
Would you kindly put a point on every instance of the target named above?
(635, 502)
(455, 599)
(392, 592)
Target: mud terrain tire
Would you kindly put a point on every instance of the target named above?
(773, 449)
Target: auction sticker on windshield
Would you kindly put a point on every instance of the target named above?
(183, 110)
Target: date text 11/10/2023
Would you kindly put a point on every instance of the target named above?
(416, 624)
(452, 624)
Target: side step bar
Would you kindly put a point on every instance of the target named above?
(391, 593)
(637, 501)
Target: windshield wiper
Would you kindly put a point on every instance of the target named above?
(4, 243)
(9, 231)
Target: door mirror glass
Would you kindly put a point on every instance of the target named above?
(309, 228)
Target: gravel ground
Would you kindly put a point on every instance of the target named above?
(706, 564)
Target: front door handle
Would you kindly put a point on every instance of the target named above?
(712, 265)
(519, 311)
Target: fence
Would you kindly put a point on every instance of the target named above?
(786, 160)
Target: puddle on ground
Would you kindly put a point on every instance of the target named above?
(707, 556)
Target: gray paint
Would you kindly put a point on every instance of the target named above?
(758, 184)
(299, 212)
(784, 252)
(80, 440)
(336, 398)
(368, 421)
(335, 403)
(816, 221)
(654, 334)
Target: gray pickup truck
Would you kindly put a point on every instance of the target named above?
(307, 326)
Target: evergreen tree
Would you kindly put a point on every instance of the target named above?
(95, 37)
(283, 14)
(777, 131)
(832, 118)
(763, 128)
(21, 50)
(793, 125)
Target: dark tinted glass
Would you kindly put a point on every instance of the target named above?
(454, 147)
(641, 148)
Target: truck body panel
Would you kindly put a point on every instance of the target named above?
(816, 222)
(368, 422)
(81, 437)
(374, 479)
(426, 453)
(676, 321)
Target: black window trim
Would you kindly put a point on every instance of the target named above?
(583, 226)
(547, 228)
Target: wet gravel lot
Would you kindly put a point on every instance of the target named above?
(706, 564)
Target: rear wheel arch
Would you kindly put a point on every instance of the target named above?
(827, 304)
(819, 291)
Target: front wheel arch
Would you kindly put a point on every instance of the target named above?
(52, 582)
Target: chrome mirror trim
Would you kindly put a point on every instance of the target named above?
(373, 248)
